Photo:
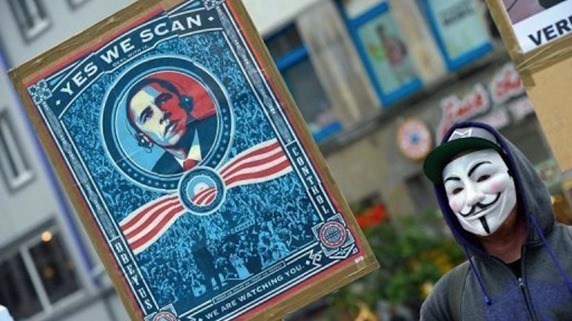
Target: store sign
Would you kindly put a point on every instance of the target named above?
(504, 88)
(414, 139)
(520, 108)
(457, 108)
(188, 165)
(506, 85)
(497, 119)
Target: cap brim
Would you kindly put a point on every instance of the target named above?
(440, 156)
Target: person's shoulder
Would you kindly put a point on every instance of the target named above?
(436, 305)
(561, 228)
(452, 274)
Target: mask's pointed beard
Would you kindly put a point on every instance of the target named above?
(485, 225)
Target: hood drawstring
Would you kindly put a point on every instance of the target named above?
(487, 299)
(552, 256)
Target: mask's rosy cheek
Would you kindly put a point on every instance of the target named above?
(495, 185)
(456, 204)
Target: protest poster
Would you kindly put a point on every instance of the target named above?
(538, 22)
(538, 37)
(190, 166)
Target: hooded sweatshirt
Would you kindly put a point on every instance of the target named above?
(490, 290)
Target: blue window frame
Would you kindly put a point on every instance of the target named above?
(384, 52)
(461, 33)
(293, 61)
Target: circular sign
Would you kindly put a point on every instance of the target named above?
(414, 139)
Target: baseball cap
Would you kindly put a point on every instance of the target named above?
(461, 139)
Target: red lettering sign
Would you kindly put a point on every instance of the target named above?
(506, 84)
(456, 109)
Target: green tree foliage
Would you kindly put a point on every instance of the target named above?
(414, 251)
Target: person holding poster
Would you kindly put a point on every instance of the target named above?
(500, 212)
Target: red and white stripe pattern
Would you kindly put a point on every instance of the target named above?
(205, 197)
(144, 226)
(260, 163)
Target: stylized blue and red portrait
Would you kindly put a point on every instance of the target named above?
(163, 117)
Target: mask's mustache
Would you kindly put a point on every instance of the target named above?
(479, 206)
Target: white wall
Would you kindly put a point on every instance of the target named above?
(269, 15)
(64, 25)
(19, 212)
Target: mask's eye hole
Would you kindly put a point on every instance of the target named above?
(483, 178)
(456, 190)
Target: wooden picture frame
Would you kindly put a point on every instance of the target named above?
(255, 229)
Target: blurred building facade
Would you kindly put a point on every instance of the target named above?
(375, 88)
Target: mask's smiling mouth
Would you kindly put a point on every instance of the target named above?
(479, 207)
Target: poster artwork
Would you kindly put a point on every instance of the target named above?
(193, 174)
(538, 22)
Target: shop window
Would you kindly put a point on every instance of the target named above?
(460, 29)
(16, 288)
(382, 47)
(293, 62)
(31, 17)
(14, 165)
(37, 276)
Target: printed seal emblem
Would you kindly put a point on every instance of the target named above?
(165, 316)
(333, 234)
(202, 191)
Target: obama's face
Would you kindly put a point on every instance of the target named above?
(158, 114)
